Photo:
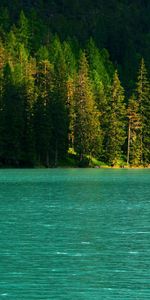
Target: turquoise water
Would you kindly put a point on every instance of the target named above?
(80, 234)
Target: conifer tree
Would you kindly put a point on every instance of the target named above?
(2, 55)
(11, 48)
(101, 73)
(30, 95)
(59, 103)
(12, 117)
(134, 132)
(87, 127)
(20, 65)
(23, 31)
(71, 110)
(2, 62)
(42, 112)
(116, 131)
(70, 60)
(100, 68)
(102, 100)
(143, 98)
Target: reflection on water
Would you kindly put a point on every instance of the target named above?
(75, 234)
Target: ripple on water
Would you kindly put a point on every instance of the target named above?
(75, 234)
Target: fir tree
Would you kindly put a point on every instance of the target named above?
(71, 110)
(87, 127)
(42, 112)
(101, 70)
(116, 131)
(59, 103)
(134, 132)
(12, 118)
(30, 96)
(143, 98)
(23, 30)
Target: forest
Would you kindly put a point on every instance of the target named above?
(74, 83)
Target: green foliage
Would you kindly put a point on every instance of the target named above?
(97, 62)
(134, 153)
(143, 98)
(12, 123)
(87, 126)
(23, 30)
(112, 24)
(60, 92)
(116, 130)
(42, 111)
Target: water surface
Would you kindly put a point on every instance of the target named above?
(75, 234)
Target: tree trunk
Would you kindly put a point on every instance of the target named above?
(56, 154)
(129, 140)
(47, 159)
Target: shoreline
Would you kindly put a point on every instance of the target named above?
(76, 167)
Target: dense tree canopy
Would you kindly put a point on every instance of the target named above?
(113, 25)
(74, 80)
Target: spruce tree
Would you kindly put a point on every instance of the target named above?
(12, 117)
(2, 62)
(59, 103)
(87, 126)
(42, 112)
(23, 30)
(30, 96)
(71, 110)
(70, 60)
(101, 69)
(143, 98)
(101, 73)
(134, 132)
(116, 126)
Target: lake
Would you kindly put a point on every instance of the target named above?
(75, 234)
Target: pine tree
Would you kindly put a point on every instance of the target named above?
(70, 60)
(116, 127)
(59, 103)
(42, 112)
(101, 69)
(30, 95)
(87, 127)
(12, 48)
(101, 73)
(102, 101)
(20, 65)
(12, 117)
(134, 132)
(23, 30)
(2, 63)
(71, 110)
(2, 55)
(143, 98)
